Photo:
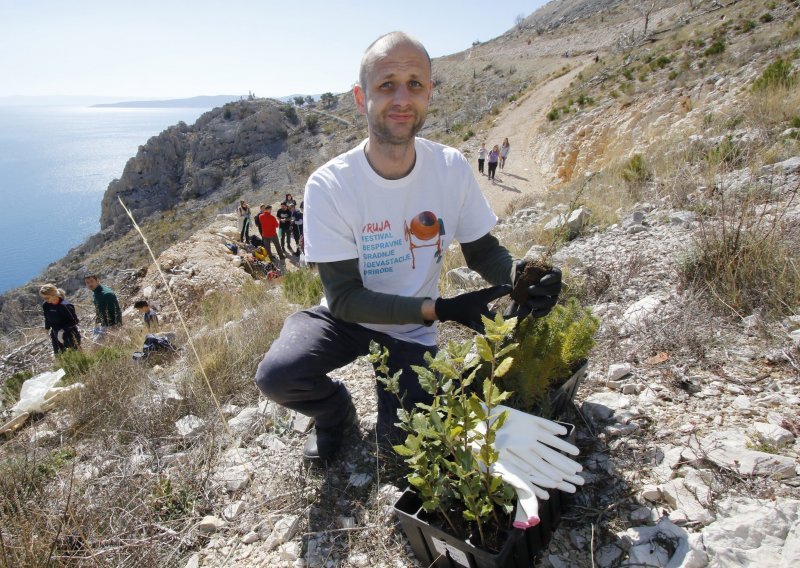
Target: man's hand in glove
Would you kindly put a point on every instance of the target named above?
(60, 336)
(468, 308)
(542, 296)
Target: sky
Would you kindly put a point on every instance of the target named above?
(178, 48)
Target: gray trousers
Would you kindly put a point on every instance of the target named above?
(312, 343)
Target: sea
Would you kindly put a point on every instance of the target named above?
(55, 165)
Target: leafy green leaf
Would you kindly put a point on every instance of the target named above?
(503, 367)
(484, 351)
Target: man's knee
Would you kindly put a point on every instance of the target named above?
(271, 378)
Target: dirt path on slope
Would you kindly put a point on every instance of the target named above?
(520, 124)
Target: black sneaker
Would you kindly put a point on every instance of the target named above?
(324, 443)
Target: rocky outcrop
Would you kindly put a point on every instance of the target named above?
(189, 162)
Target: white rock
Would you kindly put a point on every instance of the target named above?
(233, 510)
(235, 478)
(608, 555)
(194, 561)
(359, 560)
(728, 449)
(289, 551)
(189, 426)
(772, 434)
(630, 388)
(641, 312)
(463, 277)
(651, 493)
(302, 423)
(601, 406)
(251, 537)
(285, 529)
(752, 532)
(641, 515)
(244, 422)
(210, 524)
(678, 496)
(617, 371)
(742, 402)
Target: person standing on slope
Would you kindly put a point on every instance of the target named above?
(505, 148)
(60, 319)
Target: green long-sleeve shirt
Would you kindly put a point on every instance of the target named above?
(106, 306)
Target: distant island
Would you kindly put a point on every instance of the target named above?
(192, 102)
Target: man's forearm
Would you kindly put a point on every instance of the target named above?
(349, 300)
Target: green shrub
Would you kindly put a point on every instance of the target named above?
(302, 287)
(747, 25)
(549, 349)
(226, 112)
(778, 74)
(9, 395)
(312, 122)
(78, 362)
(660, 62)
(469, 134)
(628, 74)
(766, 18)
(795, 122)
(672, 75)
(553, 114)
(636, 171)
(291, 114)
(715, 48)
(726, 154)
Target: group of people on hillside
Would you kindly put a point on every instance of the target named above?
(276, 230)
(61, 319)
(497, 156)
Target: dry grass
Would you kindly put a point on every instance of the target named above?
(747, 258)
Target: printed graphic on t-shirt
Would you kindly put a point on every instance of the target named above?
(424, 227)
(383, 250)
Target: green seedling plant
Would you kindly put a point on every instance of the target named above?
(450, 461)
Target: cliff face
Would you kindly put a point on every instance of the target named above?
(188, 162)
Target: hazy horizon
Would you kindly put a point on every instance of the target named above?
(175, 50)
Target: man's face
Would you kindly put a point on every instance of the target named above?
(91, 283)
(396, 94)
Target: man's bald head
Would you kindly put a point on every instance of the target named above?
(381, 46)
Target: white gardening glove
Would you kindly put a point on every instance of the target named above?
(60, 336)
(528, 462)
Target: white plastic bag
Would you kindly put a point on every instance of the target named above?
(34, 390)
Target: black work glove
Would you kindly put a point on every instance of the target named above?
(468, 308)
(542, 297)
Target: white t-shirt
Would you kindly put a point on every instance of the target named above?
(397, 229)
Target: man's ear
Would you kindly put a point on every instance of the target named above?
(358, 95)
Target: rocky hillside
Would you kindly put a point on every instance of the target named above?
(672, 157)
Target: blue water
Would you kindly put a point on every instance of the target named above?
(55, 165)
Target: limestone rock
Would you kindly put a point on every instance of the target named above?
(599, 407)
(189, 426)
(752, 532)
(210, 524)
(728, 449)
(617, 371)
(773, 434)
(463, 277)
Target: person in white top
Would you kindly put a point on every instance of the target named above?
(378, 219)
